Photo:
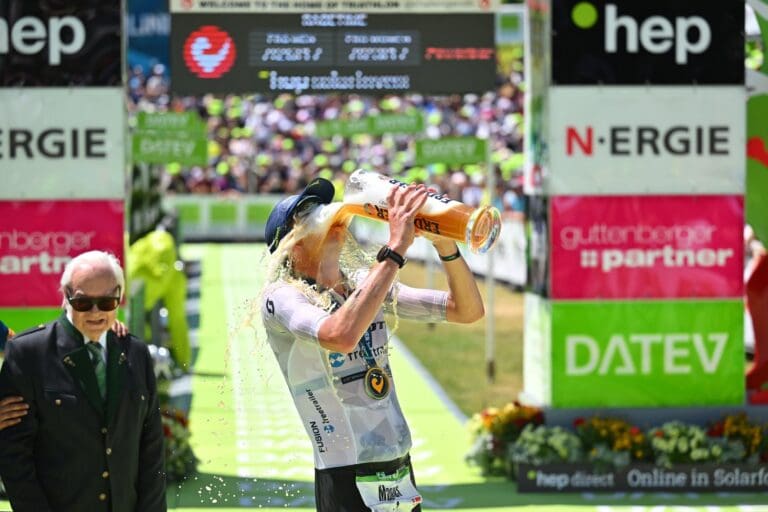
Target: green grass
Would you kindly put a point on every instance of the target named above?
(455, 355)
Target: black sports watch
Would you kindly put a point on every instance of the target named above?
(385, 252)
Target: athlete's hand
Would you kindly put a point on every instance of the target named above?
(12, 409)
(403, 204)
(120, 329)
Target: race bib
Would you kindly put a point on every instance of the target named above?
(389, 492)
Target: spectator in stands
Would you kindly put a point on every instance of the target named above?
(316, 303)
(92, 439)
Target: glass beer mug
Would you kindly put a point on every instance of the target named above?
(365, 194)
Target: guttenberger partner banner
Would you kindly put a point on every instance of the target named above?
(38, 238)
(641, 247)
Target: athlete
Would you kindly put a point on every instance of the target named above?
(325, 324)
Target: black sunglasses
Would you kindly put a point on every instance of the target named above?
(84, 303)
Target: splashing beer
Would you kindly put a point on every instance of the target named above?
(366, 195)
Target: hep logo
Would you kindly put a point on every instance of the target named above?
(209, 52)
(655, 34)
(329, 429)
(336, 359)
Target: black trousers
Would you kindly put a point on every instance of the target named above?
(336, 491)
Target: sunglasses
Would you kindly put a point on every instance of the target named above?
(84, 303)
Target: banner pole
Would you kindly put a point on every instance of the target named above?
(490, 280)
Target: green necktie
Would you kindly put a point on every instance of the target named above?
(99, 368)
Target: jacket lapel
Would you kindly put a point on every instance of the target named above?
(78, 362)
(117, 369)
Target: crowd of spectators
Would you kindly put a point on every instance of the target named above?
(268, 145)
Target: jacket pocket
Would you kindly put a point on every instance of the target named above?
(55, 398)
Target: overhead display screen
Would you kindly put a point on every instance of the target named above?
(316, 53)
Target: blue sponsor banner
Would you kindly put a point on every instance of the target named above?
(148, 27)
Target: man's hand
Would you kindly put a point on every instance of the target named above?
(403, 204)
(120, 329)
(12, 409)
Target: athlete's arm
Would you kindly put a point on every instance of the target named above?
(342, 330)
(465, 304)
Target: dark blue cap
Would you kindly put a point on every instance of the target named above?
(280, 221)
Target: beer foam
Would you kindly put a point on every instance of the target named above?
(320, 219)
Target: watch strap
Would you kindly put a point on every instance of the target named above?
(386, 252)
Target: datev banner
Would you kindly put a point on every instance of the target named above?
(62, 142)
(656, 140)
(44, 44)
(647, 353)
(615, 247)
(38, 238)
(649, 42)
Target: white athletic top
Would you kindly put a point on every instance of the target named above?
(345, 425)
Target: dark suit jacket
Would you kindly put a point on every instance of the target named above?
(72, 452)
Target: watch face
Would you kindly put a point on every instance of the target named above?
(383, 253)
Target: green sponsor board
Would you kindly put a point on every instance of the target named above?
(451, 150)
(757, 165)
(163, 148)
(647, 353)
(372, 125)
(188, 122)
(170, 137)
(21, 319)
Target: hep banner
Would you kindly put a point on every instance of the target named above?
(647, 353)
(45, 44)
(617, 247)
(38, 238)
(648, 42)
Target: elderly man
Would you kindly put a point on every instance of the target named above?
(325, 322)
(92, 440)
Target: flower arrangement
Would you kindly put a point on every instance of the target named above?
(504, 438)
(612, 442)
(180, 460)
(738, 428)
(493, 430)
(676, 442)
(540, 444)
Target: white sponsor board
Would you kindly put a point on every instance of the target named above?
(338, 6)
(647, 140)
(62, 143)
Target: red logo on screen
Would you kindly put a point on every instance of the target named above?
(209, 52)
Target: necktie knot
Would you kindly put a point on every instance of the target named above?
(94, 347)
